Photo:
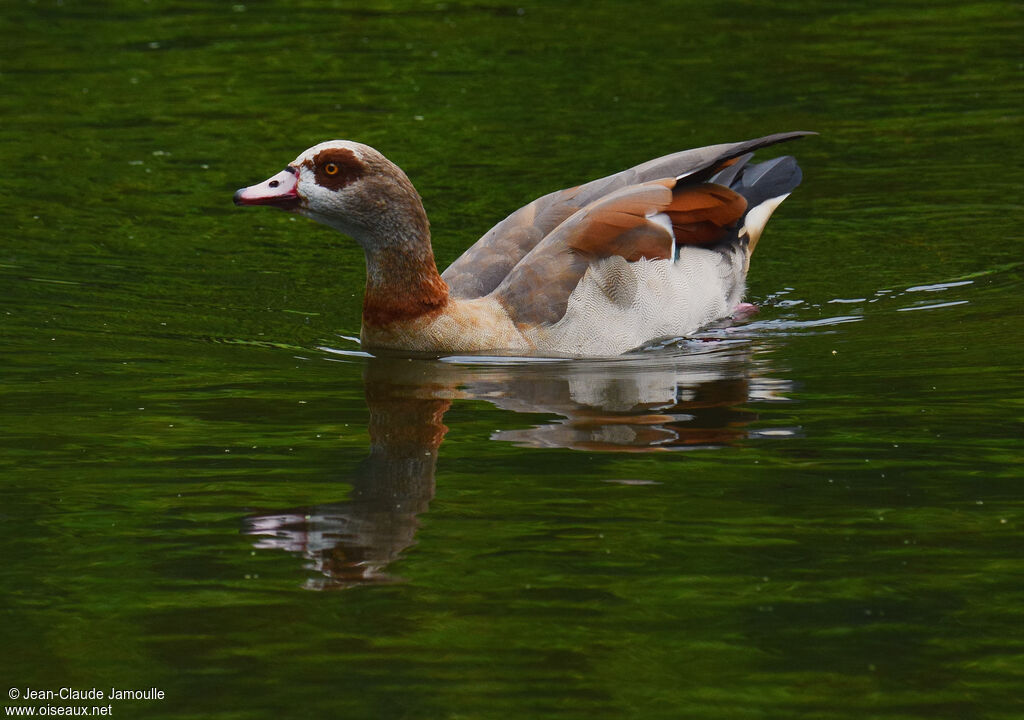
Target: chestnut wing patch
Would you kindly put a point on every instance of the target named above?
(624, 224)
(700, 214)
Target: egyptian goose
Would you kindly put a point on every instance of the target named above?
(655, 251)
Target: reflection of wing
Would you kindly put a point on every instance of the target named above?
(641, 403)
(667, 408)
(695, 396)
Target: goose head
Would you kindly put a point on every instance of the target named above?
(350, 187)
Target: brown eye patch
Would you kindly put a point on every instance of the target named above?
(335, 168)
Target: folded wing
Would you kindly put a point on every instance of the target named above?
(489, 262)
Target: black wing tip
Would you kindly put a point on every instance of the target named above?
(790, 135)
(733, 151)
(776, 138)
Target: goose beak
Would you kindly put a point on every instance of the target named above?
(281, 191)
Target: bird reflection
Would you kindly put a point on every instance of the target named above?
(652, 402)
(352, 542)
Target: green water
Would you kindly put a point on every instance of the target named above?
(206, 489)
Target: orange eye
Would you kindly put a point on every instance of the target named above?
(331, 168)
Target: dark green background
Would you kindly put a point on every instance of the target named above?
(824, 522)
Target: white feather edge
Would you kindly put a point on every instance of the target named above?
(758, 216)
(663, 220)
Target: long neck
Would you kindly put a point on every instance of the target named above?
(402, 282)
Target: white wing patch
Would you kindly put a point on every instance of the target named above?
(662, 219)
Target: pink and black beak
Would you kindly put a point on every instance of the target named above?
(280, 191)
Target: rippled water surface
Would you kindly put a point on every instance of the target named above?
(207, 488)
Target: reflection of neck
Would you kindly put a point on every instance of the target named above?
(404, 425)
(405, 434)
